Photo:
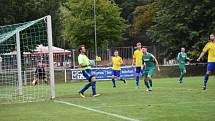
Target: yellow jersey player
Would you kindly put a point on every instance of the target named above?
(137, 60)
(210, 48)
(116, 68)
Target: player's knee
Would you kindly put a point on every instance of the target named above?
(146, 78)
(149, 77)
(185, 71)
(113, 76)
(93, 79)
(208, 72)
(137, 74)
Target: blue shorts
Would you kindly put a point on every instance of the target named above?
(116, 73)
(87, 74)
(138, 69)
(211, 66)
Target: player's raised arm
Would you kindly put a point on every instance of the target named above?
(187, 58)
(205, 49)
(201, 55)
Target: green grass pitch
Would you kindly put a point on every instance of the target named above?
(169, 101)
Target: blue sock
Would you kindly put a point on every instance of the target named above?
(146, 83)
(113, 81)
(93, 87)
(85, 88)
(206, 79)
(137, 80)
(123, 80)
(150, 83)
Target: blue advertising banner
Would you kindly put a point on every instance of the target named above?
(103, 73)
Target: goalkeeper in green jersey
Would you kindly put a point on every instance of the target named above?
(182, 60)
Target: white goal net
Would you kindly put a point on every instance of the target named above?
(26, 62)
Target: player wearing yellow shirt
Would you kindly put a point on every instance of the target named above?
(116, 62)
(210, 48)
(137, 60)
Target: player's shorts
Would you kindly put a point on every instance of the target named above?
(138, 69)
(211, 66)
(182, 67)
(87, 74)
(116, 73)
(148, 72)
(40, 76)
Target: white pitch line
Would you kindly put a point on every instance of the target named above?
(110, 106)
(98, 111)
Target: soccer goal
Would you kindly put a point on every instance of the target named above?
(26, 62)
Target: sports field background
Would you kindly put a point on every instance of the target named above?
(169, 101)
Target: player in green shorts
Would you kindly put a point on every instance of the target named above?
(149, 64)
(182, 60)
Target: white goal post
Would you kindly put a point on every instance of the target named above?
(26, 70)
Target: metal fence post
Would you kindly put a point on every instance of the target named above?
(73, 58)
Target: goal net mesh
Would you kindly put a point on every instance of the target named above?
(24, 48)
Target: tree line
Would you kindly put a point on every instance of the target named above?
(169, 24)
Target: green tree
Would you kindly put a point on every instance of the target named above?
(142, 20)
(183, 23)
(19, 11)
(144, 14)
(127, 7)
(127, 12)
(78, 24)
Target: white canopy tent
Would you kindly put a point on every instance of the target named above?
(40, 49)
